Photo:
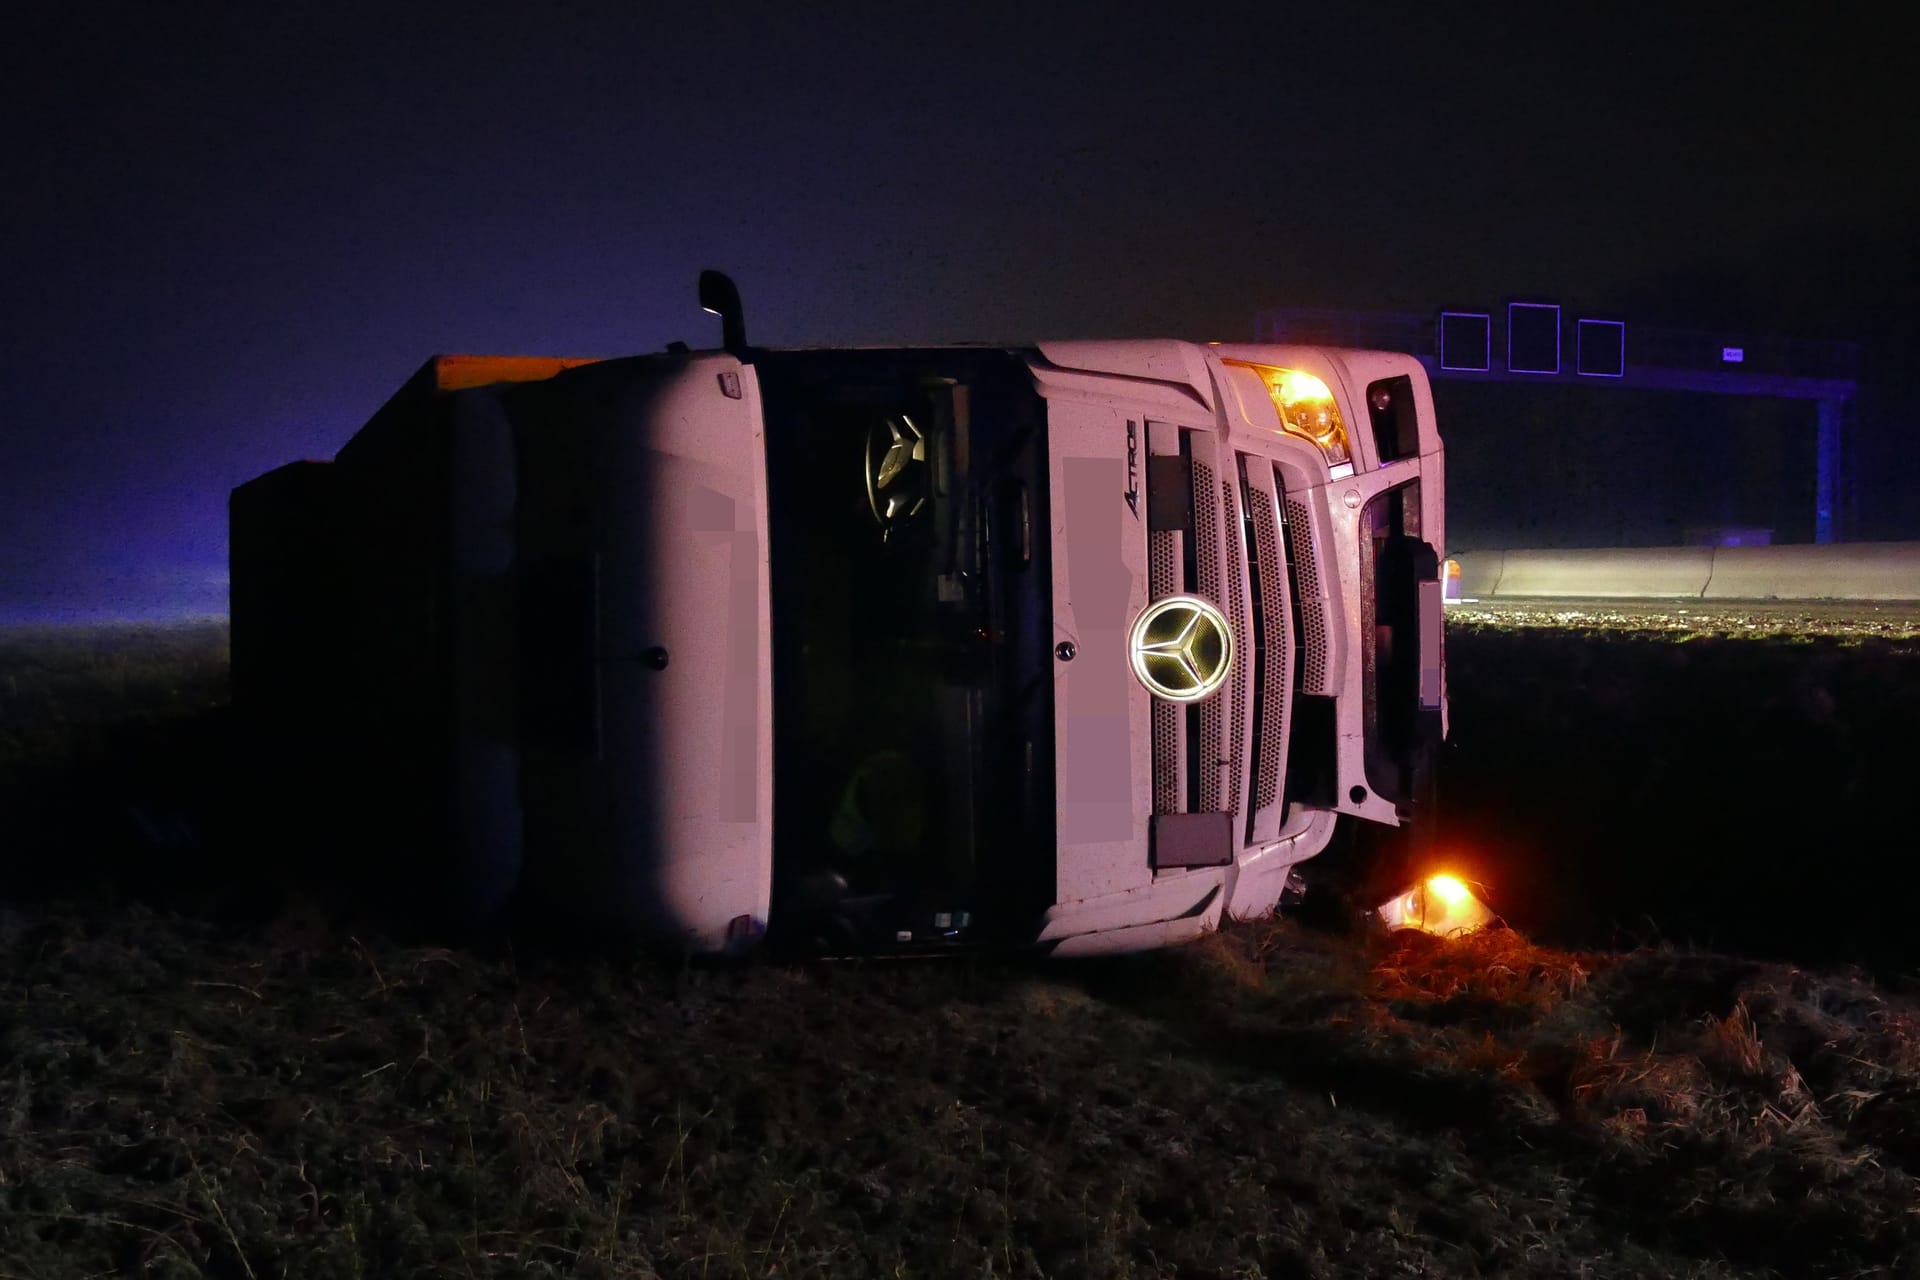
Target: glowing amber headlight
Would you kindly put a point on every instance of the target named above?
(1307, 407)
(1441, 904)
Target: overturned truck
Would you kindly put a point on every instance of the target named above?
(1083, 645)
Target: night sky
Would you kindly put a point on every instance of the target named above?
(228, 232)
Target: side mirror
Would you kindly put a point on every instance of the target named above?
(721, 297)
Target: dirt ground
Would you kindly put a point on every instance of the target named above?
(201, 1078)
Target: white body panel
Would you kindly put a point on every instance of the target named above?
(703, 537)
(1100, 711)
(676, 812)
(1181, 368)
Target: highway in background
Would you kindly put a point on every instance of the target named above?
(1899, 620)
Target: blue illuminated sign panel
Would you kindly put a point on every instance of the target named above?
(1533, 337)
(1600, 348)
(1466, 341)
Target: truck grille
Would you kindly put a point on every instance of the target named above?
(1234, 606)
(1206, 534)
(1163, 579)
(1276, 652)
(1200, 752)
(1311, 645)
(1206, 547)
(1163, 570)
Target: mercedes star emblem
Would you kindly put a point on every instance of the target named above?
(1182, 648)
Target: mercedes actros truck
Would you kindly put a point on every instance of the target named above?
(1083, 645)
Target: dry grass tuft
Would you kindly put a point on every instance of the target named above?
(1496, 966)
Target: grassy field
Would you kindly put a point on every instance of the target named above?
(1621, 778)
(199, 1077)
(114, 762)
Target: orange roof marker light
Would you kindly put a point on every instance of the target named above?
(1441, 904)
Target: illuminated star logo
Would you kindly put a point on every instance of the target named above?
(896, 471)
(1182, 648)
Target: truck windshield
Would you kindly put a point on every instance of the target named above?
(912, 712)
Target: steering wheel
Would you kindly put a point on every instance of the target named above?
(899, 479)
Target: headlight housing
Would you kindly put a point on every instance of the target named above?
(1441, 904)
(1306, 406)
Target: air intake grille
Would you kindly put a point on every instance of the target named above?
(1166, 779)
(1278, 654)
(1163, 580)
(1312, 676)
(1236, 611)
(1206, 544)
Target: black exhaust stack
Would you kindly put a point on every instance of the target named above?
(719, 295)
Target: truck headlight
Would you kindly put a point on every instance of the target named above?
(1307, 407)
(1441, 904)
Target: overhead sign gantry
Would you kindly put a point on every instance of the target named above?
(1532, 340)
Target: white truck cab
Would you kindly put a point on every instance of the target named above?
(1083, 645)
